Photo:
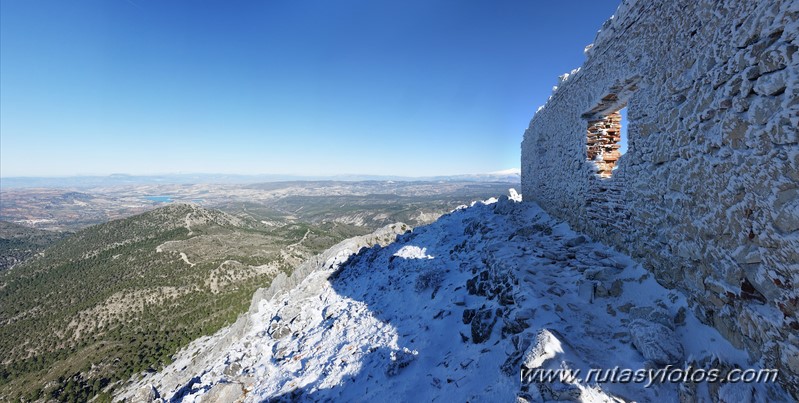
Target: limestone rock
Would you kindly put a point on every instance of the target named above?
(146, 394)
(652, 314)
(225, 393)
(545, 347)
(655, 342)
(771, 84)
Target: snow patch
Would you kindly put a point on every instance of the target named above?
(413, 252)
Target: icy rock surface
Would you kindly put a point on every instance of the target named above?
(506, 292)
(655, 342)
(707, 194)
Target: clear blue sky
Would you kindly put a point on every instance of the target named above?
(412, 87)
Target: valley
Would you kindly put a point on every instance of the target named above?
(77, 207)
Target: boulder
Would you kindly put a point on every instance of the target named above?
(545, 347)
(656, 342)
(224, 393)
(147, 394)
(652, 314)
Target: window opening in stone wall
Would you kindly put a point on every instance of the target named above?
(604, 142)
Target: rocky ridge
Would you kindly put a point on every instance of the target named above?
(455, 310)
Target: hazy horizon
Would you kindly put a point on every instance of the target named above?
(508, 171)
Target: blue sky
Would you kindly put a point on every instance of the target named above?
(414, 87)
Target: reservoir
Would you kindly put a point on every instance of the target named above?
(159, 199)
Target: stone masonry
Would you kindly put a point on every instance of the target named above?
(707, 196)
(604, 135)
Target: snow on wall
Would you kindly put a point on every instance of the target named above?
(708, 194)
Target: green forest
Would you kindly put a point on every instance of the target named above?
(105, 304)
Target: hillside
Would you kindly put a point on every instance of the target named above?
(121, 297)
(451, 312)
(18, 243)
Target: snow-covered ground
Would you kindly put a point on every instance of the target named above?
(450, 312)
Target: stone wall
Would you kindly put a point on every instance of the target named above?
(604, 135)
(707, 196)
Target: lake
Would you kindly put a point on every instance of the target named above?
(159, 199)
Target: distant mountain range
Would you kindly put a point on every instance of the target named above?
(508, 175)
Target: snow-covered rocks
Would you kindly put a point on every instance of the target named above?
(413, 252)
(546, 347)
(399, 359)
(656, 342)
(451, 310)
(504, 205)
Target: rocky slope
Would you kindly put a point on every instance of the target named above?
(119, 298)
(205, 351)
(451, 312)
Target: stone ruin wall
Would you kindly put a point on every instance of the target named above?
(604, 136)
(707, 196)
